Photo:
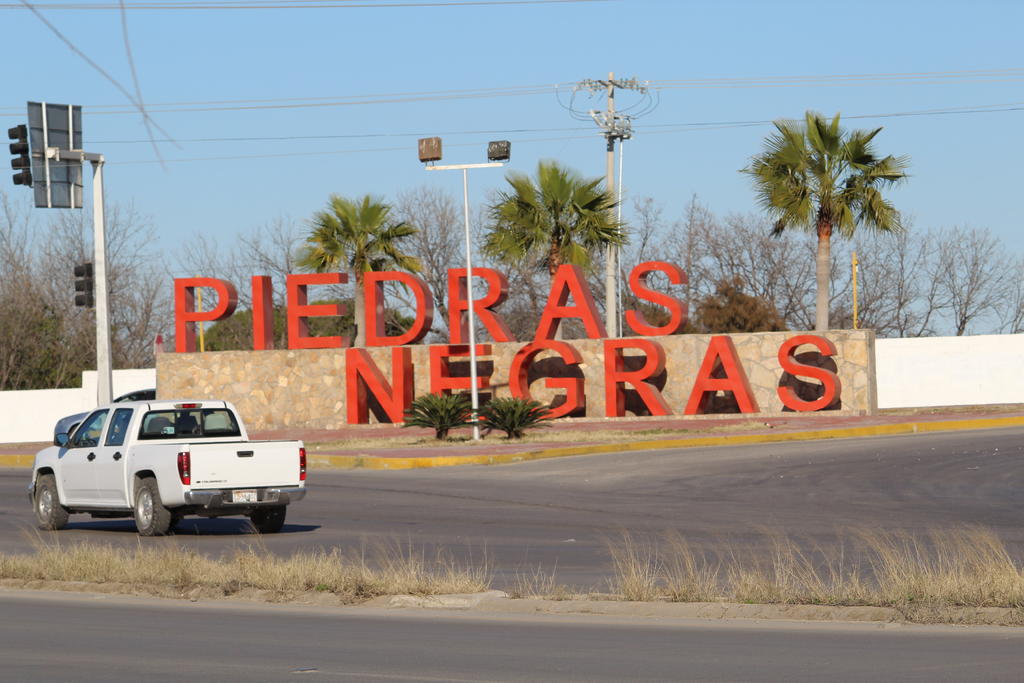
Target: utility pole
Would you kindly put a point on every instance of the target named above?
(616, 126)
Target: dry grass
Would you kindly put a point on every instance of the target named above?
(945, 575)
(965, 567)
(636, 568)
(539, 584)
(384, 569)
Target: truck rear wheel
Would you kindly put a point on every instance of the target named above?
(268, 520)
(151, 517)
(50, 514)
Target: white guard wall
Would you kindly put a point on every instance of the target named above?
(30, 415)
(950, 371)
(912, 373)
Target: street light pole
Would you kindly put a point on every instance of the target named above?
(473, 392)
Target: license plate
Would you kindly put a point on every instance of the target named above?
(243, 496)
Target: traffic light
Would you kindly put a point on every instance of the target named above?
(21, 161)
(84, 286)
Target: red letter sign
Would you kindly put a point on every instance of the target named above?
(362, 375)
(519, 382)
(497, 292)
(721, 354)
(299, 310)
(441, 380)
(569, 280)
(185, 315)
(829, 380)
(262, 313)
(615, 376)
(676, 308)
(373, 290)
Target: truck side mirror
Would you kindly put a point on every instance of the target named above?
(61, 440)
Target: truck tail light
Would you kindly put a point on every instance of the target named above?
(302, 464)
(185, 467)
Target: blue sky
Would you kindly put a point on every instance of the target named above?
(965, 166)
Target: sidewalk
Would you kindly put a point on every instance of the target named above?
(353, 447)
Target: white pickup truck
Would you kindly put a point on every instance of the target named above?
(158, 461)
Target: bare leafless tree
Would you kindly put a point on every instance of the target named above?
(973, 273)
(437, 244)
(45, 341)
(138, 283)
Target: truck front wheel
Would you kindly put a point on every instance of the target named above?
(50, 514)
(151, 517)
(268, 520)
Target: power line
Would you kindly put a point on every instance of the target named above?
(293, 4)
(135, 79)
(665, 128)
(650, 128)
(973, 109)
(321, 102)
(293, 138)
(1012, 73)
(74, 48)
(829, 80)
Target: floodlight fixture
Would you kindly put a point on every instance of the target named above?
(498, 150)
(430, 149)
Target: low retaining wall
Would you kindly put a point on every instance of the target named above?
(919, 372)
(276, 389)
(31, 415)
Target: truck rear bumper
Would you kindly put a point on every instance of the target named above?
(222, 498)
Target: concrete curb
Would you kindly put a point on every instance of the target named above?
(374, 462)
(496, 602)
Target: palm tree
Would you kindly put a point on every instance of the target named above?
(356, 235)
(817, 177)
(560, 218)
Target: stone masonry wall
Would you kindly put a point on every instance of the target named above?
(276, 389)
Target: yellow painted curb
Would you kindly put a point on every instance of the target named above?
(374, 462)
(19, 460)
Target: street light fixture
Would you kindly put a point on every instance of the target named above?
(497, 153)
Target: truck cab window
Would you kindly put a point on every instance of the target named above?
(88, 434)
(182, 424)
(118, 427)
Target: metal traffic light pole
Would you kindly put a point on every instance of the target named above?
(54, 133)
(104, 371)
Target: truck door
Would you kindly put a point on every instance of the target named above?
(79, 460)
(109, 466)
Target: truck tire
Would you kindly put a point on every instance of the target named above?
(50, 514)
(151, 517)
(268, 520)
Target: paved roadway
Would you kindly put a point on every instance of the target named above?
(557, 513)
(57, 637)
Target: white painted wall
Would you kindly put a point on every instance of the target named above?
(950, 371)
(30, 415)
(916, 372)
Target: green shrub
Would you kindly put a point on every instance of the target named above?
(439, 412)
(514, 415)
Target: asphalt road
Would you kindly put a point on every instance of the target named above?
(557, 514)
(55, 637)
